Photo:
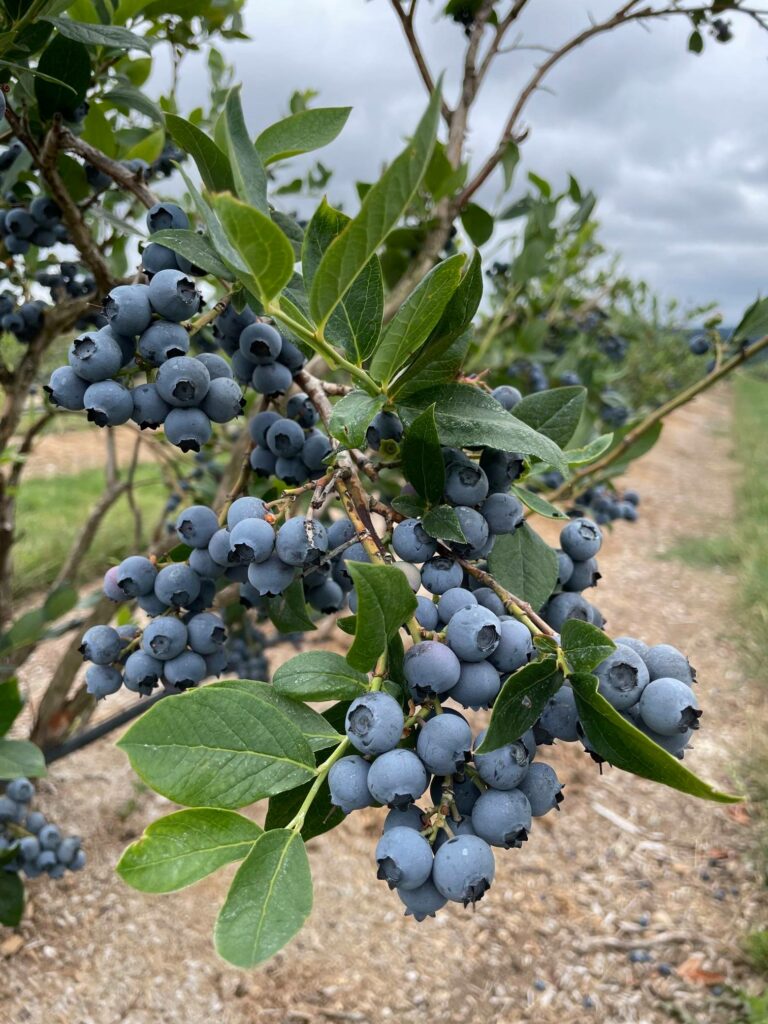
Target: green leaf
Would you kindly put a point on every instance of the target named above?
(510, 158)
(467, 416)
(525, 565)
(384, 602)
(20, 757)
(268, 902)
(181, 848)
(536, 503)
(464, 303)
(477, 222)
(625, 747)
(520, 702)
(585, 645)
(695, 42)
(321, 817)
(555, 413)
(211, 161)
(197, 249)
(301, 133)
(413, 323)
(114, 36)
(422, 456)
(380, 211)
(314, 727)
(288, 611)
(588, 452)
(754, 323)
(60, 601)
(355, 324)
(409, 505)
(638, 448)
(27, 629)
(11, 898)
(10, 704)
(261, 244)
(319, 675)
(68, 61)
(352, 416)
(443, 523)
(134, 99)
(149, 148)
(437, 363)
(217, 747)
(247, 168)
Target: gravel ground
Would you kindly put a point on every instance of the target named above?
(626, 868)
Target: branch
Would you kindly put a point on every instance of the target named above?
(406, 21)
(117, 172)
(316, 391)
(634, 435)
(25, 448)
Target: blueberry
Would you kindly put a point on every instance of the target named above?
(475, 529)
(374, 723)
(622, 677)
(108, 404)
(173, 295)
(463, 869)
(505, 767)
(245, 508)
(422, 902)
(149, 409)
(397, 778)
(542, 788)
(440, 573)
(127, 308)
(163, 341)
(404, 858)
(327, 598)
(317, 448)
(348, 783)
(21, 790)
(386, 426)
(665, 661)
(142, 672)
(185, 670)
(135, 576)
(271, 378)
(187, 429)
(271, 577)
(291, 471)
(218, 547)
(95, 356)
(206, 632)
(462, 827)
(581, 539)
(16, 246)
(251, 540)
(300, 408)
(466, 484)
(301, 541)
(263, 462)
(500, 468)
(216, 365)
(668, 706)
(565, 566)
(585, 574)
(507, 396)
(29, 848)
(478, 686)
(473, 633)
(101, 645)
(444, 743)
(285, 437)
(34, 821)
(196, 526)
(164, 638)
(18, 222)
(562, 607)
(68, 849)
(155, 257)
(699, 345)
(183, 381)
(177, 585)
(502, 818)
(560, 717)
(103, 680)
(637, 645)
(430, 667)
(454, 600)
(426, 613)
(164, 216)
(291, 356)
(504, 513)
(9, 809)
(261, 343)
(65, 389)
(152, 605)
(409, 816)
(411, 541)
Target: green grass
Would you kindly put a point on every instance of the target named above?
(707, 552)
(50, 512)
(756, 948)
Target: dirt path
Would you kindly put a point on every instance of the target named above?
(67, 452)
(625, 866)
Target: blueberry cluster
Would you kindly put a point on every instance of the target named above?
(245, 653)
(605, 505)
(577, 571)
(289, 447)
(443, 851)
(145, 331)
(260, 355)
(23, 321)
(38, 846)
(156, 257)
(163, 166)
(37, 224)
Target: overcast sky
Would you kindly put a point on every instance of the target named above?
(674, 145)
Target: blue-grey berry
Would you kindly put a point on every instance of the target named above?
(173, 295)
(411, 541)
(348, 783)
(95, 356)
(223, 401)
(409, 816)
(187, 429)
(162, 341)
(452, 601)
(196, 526)
(507, 396)
(301, 541)
(246, 508)
(444, 743)
(108, 404)
(164, 216)
(300, 408)
(560, 718)
(164, 638)
(149, 409)
(622, 677)
(206, 632)
(397, 778)
(271, 577)
(251, 540)
(127, 308)
(466, 484)
(502, 818)
(135, 576)
(478, 686)
(271, 378)
(426, 613)
(562, 607)
(183, 382)
(430, 667)
(463, 869)
(177, 585)
(581, 539)
(440, 573)
(317, 448)
(386, 426)
(101, 645)
(504, 767)
(669, 706)
(65, 389)
(515, 647)
(103, 680)
(261, 343)
(665, 661)
(263, 462)
(285, 438)
(473, 633)
(542, 788)
(422, 902)
(142, 672)
(504, 513)
(185, 670)
(404, 858)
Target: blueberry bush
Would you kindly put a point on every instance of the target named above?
(336, 467)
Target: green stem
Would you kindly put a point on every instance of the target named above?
(317, 341)
(297, 822)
